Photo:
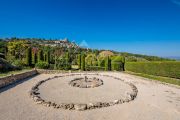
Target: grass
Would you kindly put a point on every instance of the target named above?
(158, 78)
(4, 74)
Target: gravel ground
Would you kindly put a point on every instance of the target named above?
(59, 91)
(154, 101)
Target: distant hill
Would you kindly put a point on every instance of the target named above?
(65, 43)
(140, 57)
(174, 57)
(46, 42)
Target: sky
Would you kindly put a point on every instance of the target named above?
(150, 27)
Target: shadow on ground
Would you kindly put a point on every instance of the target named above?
(2, 89)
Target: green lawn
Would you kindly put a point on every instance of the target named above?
(158, 78)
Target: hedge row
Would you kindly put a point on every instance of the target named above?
(95, 68)
(166, 69)
(117, 63)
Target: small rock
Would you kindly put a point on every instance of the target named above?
(111, 103)
(39, 102)
(116, 101)
(90, 106)
(126, 100)
(71, 107)
(36, 98)
(80, 107)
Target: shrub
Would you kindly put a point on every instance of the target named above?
(94, 68)
(10, 58)
(42, 65)
(101, 62)
(117, 66)
(51, 66)
(117, 63)
(5, 66)
(62, 63)
(95, 63)
(91, 60)
(166, 68)
(19, 63)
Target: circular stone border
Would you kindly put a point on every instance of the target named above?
(35, 95)
(75, 82)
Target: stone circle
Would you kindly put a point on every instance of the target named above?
(35, 93)
(86, 82)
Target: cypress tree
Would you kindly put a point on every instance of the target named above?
(123, 62)
(48, 57)
(79, 61)
(44, 57)
(107, 64)
(29, 56)
(68, 61)
(40, 56)
(55, 62)
(83, 62)
(35, 58)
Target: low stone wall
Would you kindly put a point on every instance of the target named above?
(35, 95)
(44, 71)
(14, 78)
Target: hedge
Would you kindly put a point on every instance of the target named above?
(117, 66)
(117, 63)
(94, 68)
(101, 62)
(165, 69)
(42, 65)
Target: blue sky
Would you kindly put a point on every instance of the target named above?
(149, 27)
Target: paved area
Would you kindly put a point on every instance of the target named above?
(154, 101)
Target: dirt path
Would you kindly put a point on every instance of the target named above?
(154, 102)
